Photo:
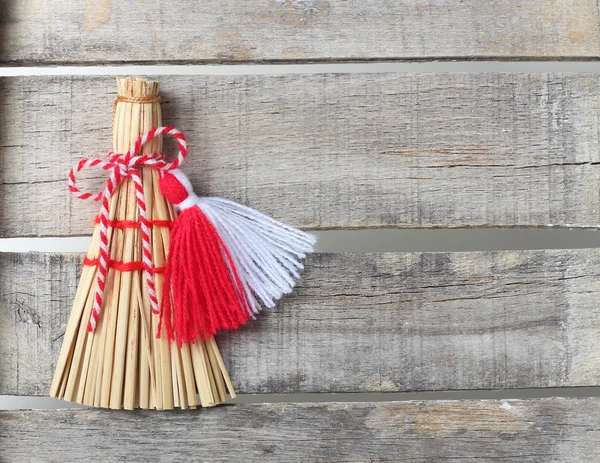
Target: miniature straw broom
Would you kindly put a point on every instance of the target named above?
(150, 278)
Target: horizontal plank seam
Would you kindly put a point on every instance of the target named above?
(383, 397)
(367, 240)
(328, 60)
(437, 66)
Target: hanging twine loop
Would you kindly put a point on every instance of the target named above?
(134, 99)
(121, 167)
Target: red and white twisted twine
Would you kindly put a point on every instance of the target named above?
(121, 167)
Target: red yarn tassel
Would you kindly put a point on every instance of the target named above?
(224, 261)
(202, 290)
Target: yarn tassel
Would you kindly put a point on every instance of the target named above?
(225, 262)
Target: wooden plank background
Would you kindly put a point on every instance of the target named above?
(186, 31)
(329, 151)
(528, 431)
(326, 151)
(362, 323)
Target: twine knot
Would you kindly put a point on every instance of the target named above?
(121, 167)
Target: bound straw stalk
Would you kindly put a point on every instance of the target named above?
(120, 362)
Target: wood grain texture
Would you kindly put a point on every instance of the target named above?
(93, 31)
(362, 322)
(528, 431)
(327, 151)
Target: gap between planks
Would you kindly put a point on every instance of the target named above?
(439, 66)
(382, 240)
(8, 402)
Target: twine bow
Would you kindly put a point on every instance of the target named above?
(121, 167)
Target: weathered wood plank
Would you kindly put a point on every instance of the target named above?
(291, 30)
(362, 322)
(536, 430)
(328, 151)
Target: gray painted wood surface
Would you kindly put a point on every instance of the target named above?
(327, 151)
(93, 31)
(362, 322)
(528, 431)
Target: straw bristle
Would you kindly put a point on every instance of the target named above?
(121, 364)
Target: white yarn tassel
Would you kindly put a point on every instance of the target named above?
(226, 261)
(267, 253)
